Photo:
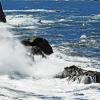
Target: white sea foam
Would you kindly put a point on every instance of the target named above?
(97, 17)
(31, 10)
(27, 22)
(87, 41)
(24, 20)
(61, 20)
(47, 89)
(13, 56)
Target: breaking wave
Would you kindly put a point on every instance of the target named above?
(22, 78)
(32, 10)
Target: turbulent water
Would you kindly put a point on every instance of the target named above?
(73, 30)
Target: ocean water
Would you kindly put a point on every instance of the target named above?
(73, 30)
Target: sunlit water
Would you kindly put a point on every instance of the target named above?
(72, 28)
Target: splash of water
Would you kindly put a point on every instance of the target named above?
(15, 58)
(13, 55)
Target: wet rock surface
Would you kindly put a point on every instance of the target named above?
(39, 46)
(74, 73)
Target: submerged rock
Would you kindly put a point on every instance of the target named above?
(74, 73)
(2, 15)
(38, 45)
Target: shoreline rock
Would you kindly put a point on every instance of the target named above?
(2, 15)
(74, 73)
(39, 46)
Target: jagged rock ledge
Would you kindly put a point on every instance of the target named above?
(74, 73)
(2, 15)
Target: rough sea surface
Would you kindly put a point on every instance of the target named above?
(73, 30)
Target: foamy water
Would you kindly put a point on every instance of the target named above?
(21, 78)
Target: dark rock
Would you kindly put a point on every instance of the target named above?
(26, 42)
(2, 15)
(97, 74)
(74, 73)
(38, 44)
(36, 51)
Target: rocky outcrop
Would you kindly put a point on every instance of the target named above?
(39, 46)
(74, 73)
(37, 51)
(2, 15)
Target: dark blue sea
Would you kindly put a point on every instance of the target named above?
(73, 30)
